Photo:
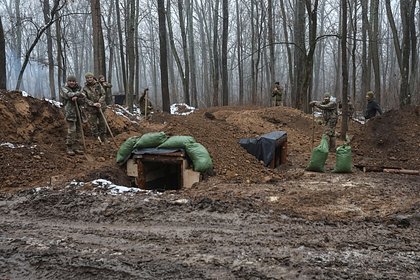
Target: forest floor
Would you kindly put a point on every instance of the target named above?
(244, 221)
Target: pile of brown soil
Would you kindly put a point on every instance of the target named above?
(390, 140)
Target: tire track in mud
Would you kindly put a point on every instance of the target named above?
(194, 243)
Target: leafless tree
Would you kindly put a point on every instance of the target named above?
(163, 56)
(225, 32)
(3, 78)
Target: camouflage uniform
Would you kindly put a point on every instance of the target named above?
(330, 116)
(107, 87)
(73, 124)
(95, 93)
(277, 93)
(142, 104)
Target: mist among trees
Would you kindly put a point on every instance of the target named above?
(216, 53)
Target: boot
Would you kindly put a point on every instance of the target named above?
(78, 150)
(103, 139)
(70, 151)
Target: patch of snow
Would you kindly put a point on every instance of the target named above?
(112, 188)
(54, 102)
(185, 108)
(13, 146)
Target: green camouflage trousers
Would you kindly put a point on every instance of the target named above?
(73, 132)
(97, 123)
(329, 130)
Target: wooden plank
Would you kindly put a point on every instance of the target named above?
(402, 171)
(141, 178)
(132, 170)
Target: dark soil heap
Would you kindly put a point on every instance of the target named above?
(390, 140)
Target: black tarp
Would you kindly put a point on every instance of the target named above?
(263, 147)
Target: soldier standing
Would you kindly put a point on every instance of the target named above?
(330, 116)
(95, 99)
(71, 94)
(277, 94)
(146, 106)
(107, 87)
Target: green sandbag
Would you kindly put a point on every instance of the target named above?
(343, 159)
(319, 156)
(126, 148)
(177, 142)
(151, 140)
(199, 156)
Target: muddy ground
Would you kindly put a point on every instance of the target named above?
(245, 221)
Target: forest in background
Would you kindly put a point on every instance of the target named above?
(216, 53)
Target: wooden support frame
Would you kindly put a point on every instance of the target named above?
(155, 166)
(280, 153)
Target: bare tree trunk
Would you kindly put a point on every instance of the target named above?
(405, 52)
(365, 86)
(193, 83)
(344, 66)
(353, 50)
(225, 31)
(60, 75)
(137, 53)
(216, 53)
(120, 39)
(3, 77)
(46, 10)
(163, 56)
(110, 40)
(18, 43)
(173, 57)
(299, 54)
(414, 52)
(174, 49)
(131, 63)
(288, 48)
(205, 56)
(271, 40)
(318, 59)
(99, 64)
(256, 40)
(239, 51)
(374, 46)
(186, 75)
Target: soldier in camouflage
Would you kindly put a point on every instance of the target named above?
(145, 110)
(95, 100)
(107, 87)
(70, 94)
(277, 94)
(330, 116)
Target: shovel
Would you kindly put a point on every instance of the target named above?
(109, 129)
(87, 156)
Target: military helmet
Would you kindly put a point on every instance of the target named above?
(89, 74)
(327, 95)
(71, 78)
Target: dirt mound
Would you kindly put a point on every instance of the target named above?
(39, 127)
(391, 140)
(29, 120)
